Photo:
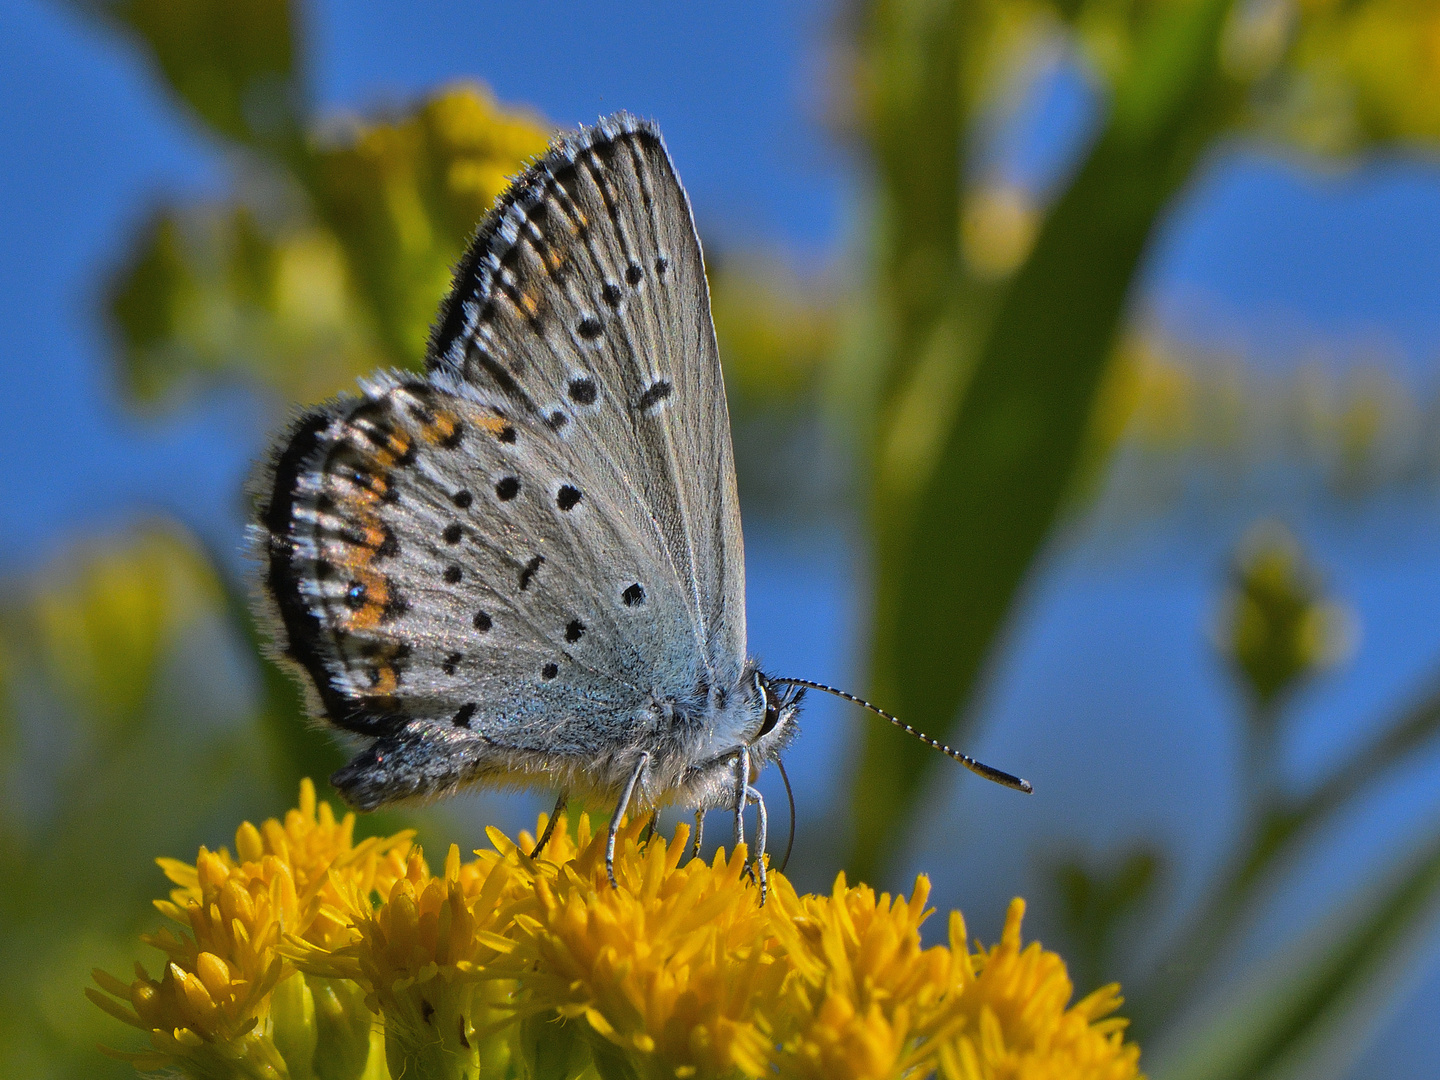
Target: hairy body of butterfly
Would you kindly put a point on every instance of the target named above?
(526, 567)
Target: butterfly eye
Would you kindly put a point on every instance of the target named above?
(772, 714)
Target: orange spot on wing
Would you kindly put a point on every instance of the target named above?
(388, 681)
(395, 448)
(377, 596)
(490, 423)
(441, 428)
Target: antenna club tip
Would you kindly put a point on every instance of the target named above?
(1027, 787)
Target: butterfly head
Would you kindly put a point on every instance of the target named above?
(776, 707)
(779, 706)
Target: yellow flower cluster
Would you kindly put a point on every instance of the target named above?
(227, 1002)
(310, 955)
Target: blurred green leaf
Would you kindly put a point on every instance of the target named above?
(906, 363)
(1008, 459)
(234, 62)
(1291, 1017)
(913, 116)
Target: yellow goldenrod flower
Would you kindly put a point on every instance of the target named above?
(421, 958)
(1009, 1018)
(864, 988)
(227, 1002)
(669, 971)
(505, 965)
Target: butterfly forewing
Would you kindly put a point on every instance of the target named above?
(584, 301)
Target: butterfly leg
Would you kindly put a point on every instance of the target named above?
(648, 833)
(620, 809)
(742, 785)
(762, 828)
(549, 826)
(699, 833)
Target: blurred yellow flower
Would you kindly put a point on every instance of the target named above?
(309, 949)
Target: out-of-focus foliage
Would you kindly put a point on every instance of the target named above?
(1277, 627)
(100, 627)
(1347, 430)
(987, 392)
(215, 292)
(1101, 901)
(235, 64)
(985, 364)
(403, 197)
(777, 330)
(113, 657)
(330, 261)
(1360, 72)
(1005, 370)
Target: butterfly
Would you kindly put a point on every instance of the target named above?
(526, 567)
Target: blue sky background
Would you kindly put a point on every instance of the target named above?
(1108, 698)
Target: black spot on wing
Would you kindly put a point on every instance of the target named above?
(527, 574)
(582, 390)
(389, 546)
(654, 394)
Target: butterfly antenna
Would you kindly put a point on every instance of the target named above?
(977, 767)
(790, 798)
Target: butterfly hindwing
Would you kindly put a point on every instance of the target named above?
(427, 565)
